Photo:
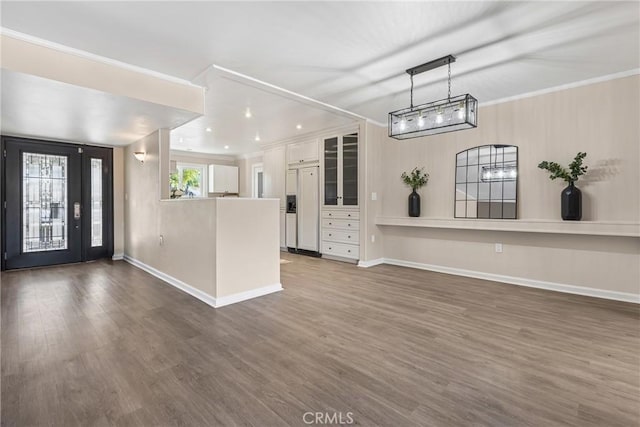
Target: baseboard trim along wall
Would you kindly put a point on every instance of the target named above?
(519, 281)
(203, 296)
(118, 257)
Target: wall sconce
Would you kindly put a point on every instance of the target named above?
(140, 155)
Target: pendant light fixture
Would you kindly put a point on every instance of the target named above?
(447, 115)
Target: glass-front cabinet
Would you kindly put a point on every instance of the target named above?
(341, 170)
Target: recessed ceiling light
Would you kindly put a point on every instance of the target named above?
(247, 113)
(257, 137)
(208, 129)
(226, 147)
(298, 126)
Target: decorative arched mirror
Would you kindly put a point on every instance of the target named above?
(487, 182)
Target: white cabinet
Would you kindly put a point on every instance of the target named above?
(223, 179)
(303, 152)
(341, 171)
(340, 233)
(274, 173)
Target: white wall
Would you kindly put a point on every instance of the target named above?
(601, 119)
(245, 166)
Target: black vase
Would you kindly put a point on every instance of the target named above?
(414, 204)
(571, 201)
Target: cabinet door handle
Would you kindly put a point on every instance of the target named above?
(349, 215)
(330, 234)
(330, 248)
(348, 225)
(329, 223)
(348, 237)
(349, 250)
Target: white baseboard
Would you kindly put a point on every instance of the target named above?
(520, 281)
(243, 296)
(203, 296)
(118, 257)
(371, 263)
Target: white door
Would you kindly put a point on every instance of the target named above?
(308, 209)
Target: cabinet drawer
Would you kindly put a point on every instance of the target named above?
(341, 250)
(341, 214)
(344, 224)
(344, 236)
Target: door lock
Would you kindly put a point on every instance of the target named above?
(76, 210)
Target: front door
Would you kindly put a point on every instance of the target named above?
(57, 203)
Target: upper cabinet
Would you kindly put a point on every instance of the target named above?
(223, 179)
(274, 173)
(302, 152)
(341, 170)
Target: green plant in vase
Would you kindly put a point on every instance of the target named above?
(571, 196)
(415, 179)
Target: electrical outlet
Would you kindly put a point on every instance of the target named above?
(374, 196)
(373, 238)
(161, 240)
(498, 248)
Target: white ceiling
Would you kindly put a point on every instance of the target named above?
(349, 54)
(274, 117)
(42, 108)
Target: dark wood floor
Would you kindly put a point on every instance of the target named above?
(105, 343)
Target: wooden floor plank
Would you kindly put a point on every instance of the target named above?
(104, 343)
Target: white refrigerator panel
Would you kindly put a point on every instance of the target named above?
(291, 230)
(308, 209)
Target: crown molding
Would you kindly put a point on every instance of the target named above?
(566, 86)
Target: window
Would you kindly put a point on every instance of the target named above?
(189, 180)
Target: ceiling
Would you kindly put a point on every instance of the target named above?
(275, 116)
(348, 54)
(42, 108)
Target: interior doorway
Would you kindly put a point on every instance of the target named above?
(58, 203)
(257, 173)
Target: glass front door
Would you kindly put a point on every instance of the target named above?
(54, 196)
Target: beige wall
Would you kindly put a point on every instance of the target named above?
(248, 249)
(146, 219)
(601, 119)
(245, 172)
(220, 246)
(118, 201)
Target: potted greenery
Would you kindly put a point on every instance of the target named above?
(571, 197)
(415, 179)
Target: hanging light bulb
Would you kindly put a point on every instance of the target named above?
(513, 173)
(257, 137)
(247, 113)
(439, 117)
(403, 123)
(461, 112)
(420, 120)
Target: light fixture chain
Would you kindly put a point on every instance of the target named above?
(449, 93)
(411, 76)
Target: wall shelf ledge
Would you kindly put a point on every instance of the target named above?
(590, 228)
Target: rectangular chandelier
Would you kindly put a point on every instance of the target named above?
(446, 115)
(499, 173)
